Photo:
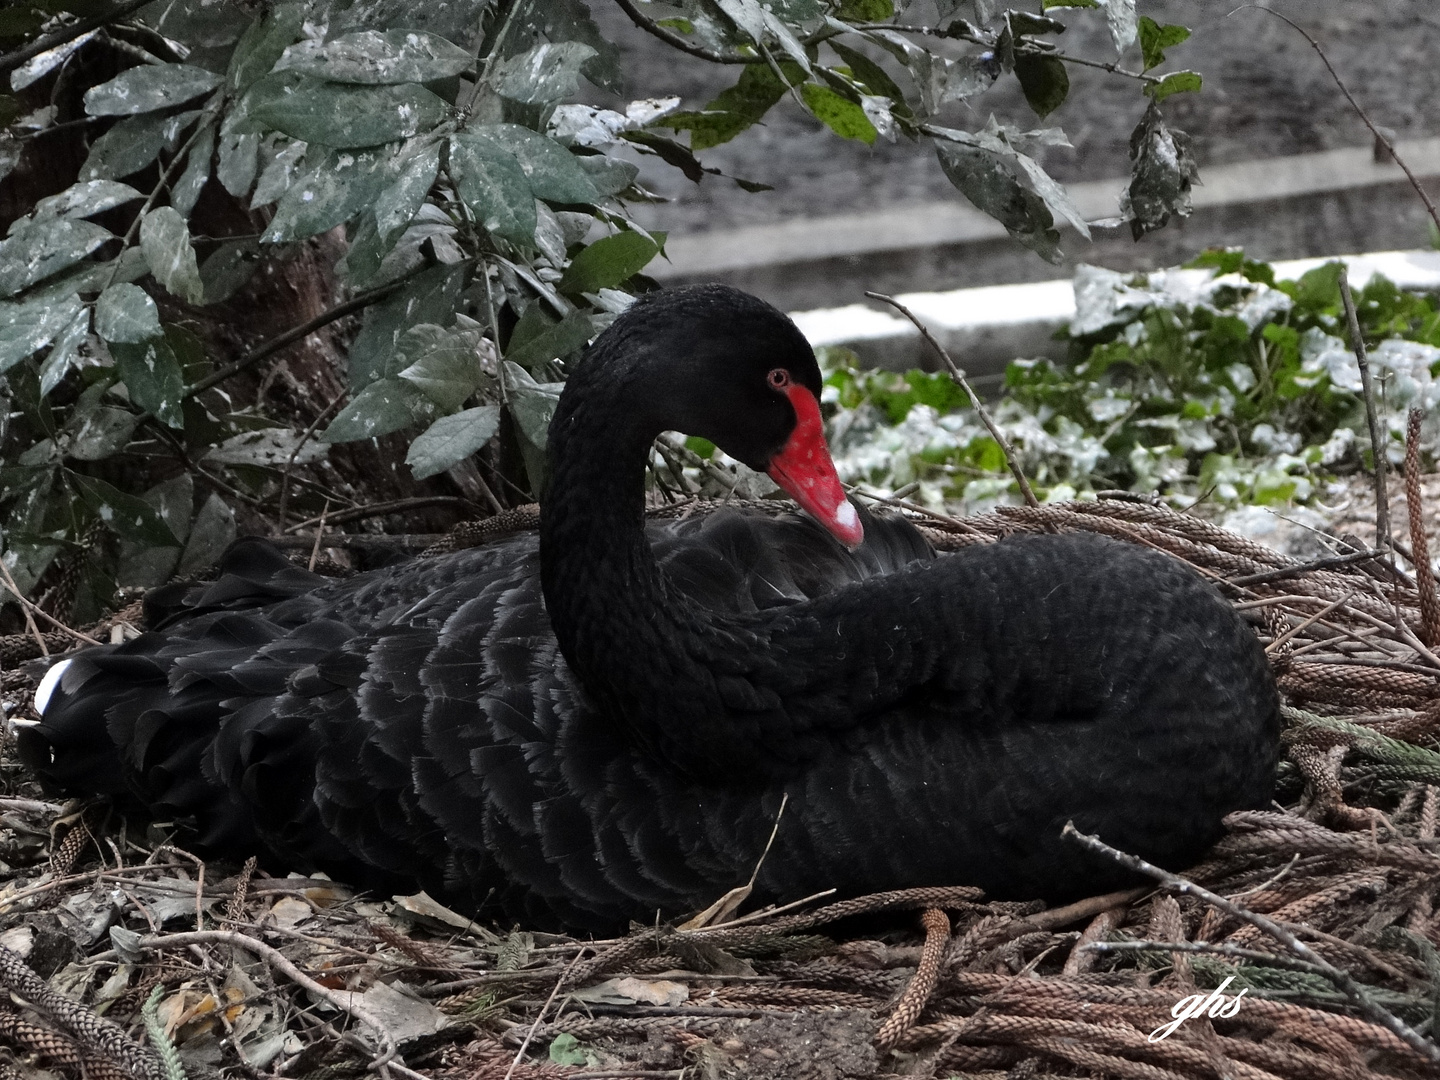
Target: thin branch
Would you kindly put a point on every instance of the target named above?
(290, 461)
(1114, 69)
(50, 41)
(1300, 569)
(1377, 445)
(906, 504)
(319, 535)
(305, 329)
(394, 507)
(1296, 631)
(1340, 977)
(32, 608)
(959, 377)
(676, 41)
(1380, 136)
(520, 1054)
(167, 174)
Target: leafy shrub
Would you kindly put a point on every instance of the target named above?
(1216, 378)
(177, 161)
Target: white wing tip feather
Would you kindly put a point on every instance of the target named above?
(46, 689)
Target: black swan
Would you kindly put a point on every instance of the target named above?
(601, 725)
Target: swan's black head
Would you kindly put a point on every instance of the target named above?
(712, 361)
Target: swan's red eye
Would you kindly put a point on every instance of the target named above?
(779, 378)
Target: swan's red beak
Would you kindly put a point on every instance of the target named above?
(804, 469)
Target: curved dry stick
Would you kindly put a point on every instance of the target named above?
(1377, 444)
(959, 377)
(1380, 137)
(290, 461)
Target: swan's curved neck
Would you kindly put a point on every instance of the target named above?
(708, 692)
(621, 629)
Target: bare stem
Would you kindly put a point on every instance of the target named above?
(1380, 136)
(975, 402)
(1377, 446)
(30, 608)
(290, 461)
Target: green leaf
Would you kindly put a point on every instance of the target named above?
(564, 1050)
(547, 341)
(1155, 39)
(147, 88)
(445, 364)
(872, 75)
(399, 202)
(64, 351)
(267, 92)
(101, 434)
(38, 249)
(452, 439)
(670, 152)
(347, 116)
(494, 187)
(133, 143)
(378, 57)
(532, 403)
(152, 375)
(227, 269)
(212, 532)
(431, 297)
(281, 164)
(384, 406)
(33, 324)
(263, 43)
(270, 447)
(608, 262)
(186, 190)
(980, 175)
(840, 115)
(1044, 81)
(126, 314)
(866, 10)
(610, 176)
(570, 20)
(149, 567)
(553, 172)
(1319, 289)
(735, 109)
(339, 185)
(85, 198)
(124, 515)
(238, 164)
(1177, 82)
(165, 242)
(544, 74)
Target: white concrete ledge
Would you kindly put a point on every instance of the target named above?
(984, 329)
(938, 224)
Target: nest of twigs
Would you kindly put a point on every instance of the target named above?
(126, 956)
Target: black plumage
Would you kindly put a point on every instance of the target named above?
(601, 722)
